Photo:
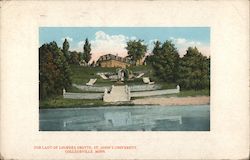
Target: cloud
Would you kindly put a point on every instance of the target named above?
(80, 44)
(105, 44)
(151, 45)
(68, 38)
(182, 45)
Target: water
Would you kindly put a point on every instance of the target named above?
(126, 118)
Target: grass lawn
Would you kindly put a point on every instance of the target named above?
(60, 102)
(81, 75)
(190, 93)
(193, 93)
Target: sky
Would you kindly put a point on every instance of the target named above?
(105, 40)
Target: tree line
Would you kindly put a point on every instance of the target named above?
(54, 69)
(192, 71)
(74, 57)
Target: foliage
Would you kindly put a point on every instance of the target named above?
(74, 57)
(59, 101)
(86, 51)
(54, 71)
(65, 49)
(194, 70)
(127, 72)
(136, 50)
(191, 72)
(165, 61)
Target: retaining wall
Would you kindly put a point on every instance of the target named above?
(91, 88)
(133, 88)
(145, 87)
(82, 95)
(154, 93)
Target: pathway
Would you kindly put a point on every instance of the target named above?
(117, 94)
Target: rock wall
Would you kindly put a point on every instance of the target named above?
(145, 87)
(92, 88)
(82, 95)
(154, 93)
(133, 88)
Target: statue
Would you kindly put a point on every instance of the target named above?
(120, 74)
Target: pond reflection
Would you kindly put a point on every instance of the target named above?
(141, 118)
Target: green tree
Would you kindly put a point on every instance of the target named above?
(74, 57)
(136, 50)
(155, 52)
(54, 71)
(87, 51)
(165, 61)
(66, 49)
(194, 70)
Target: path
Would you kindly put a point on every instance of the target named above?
(117, 94)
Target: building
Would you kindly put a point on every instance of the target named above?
(110, 60)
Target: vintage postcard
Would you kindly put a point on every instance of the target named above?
(124, 80)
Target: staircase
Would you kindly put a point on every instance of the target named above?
(117, 94)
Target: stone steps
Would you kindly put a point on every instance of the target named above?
(117, 94)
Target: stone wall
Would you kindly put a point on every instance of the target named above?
(133, 88)
(82, 95)
(92, 88)
(145, 87)
(132, 91)
(154, 93)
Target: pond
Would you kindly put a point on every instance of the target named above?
(126, 118)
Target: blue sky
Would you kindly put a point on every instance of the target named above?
(106, 40)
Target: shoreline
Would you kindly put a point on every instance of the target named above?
(173, 101)
(161, 101)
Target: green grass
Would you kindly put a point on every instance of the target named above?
(193, 93)
(184, 93)
(165, 85)
(60, 102)
(147, 70)
(81, 75)
(190, 93)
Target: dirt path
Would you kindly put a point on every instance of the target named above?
(174, 100)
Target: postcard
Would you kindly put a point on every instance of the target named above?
(124, 80)
(112, 80)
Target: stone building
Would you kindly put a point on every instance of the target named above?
(110, 60)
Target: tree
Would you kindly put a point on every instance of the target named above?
(194, 70)
(66, 49)
(86, 51)
(74, 57)
(155, 52)
(136, 50)
(164, 60)
(54, 71)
